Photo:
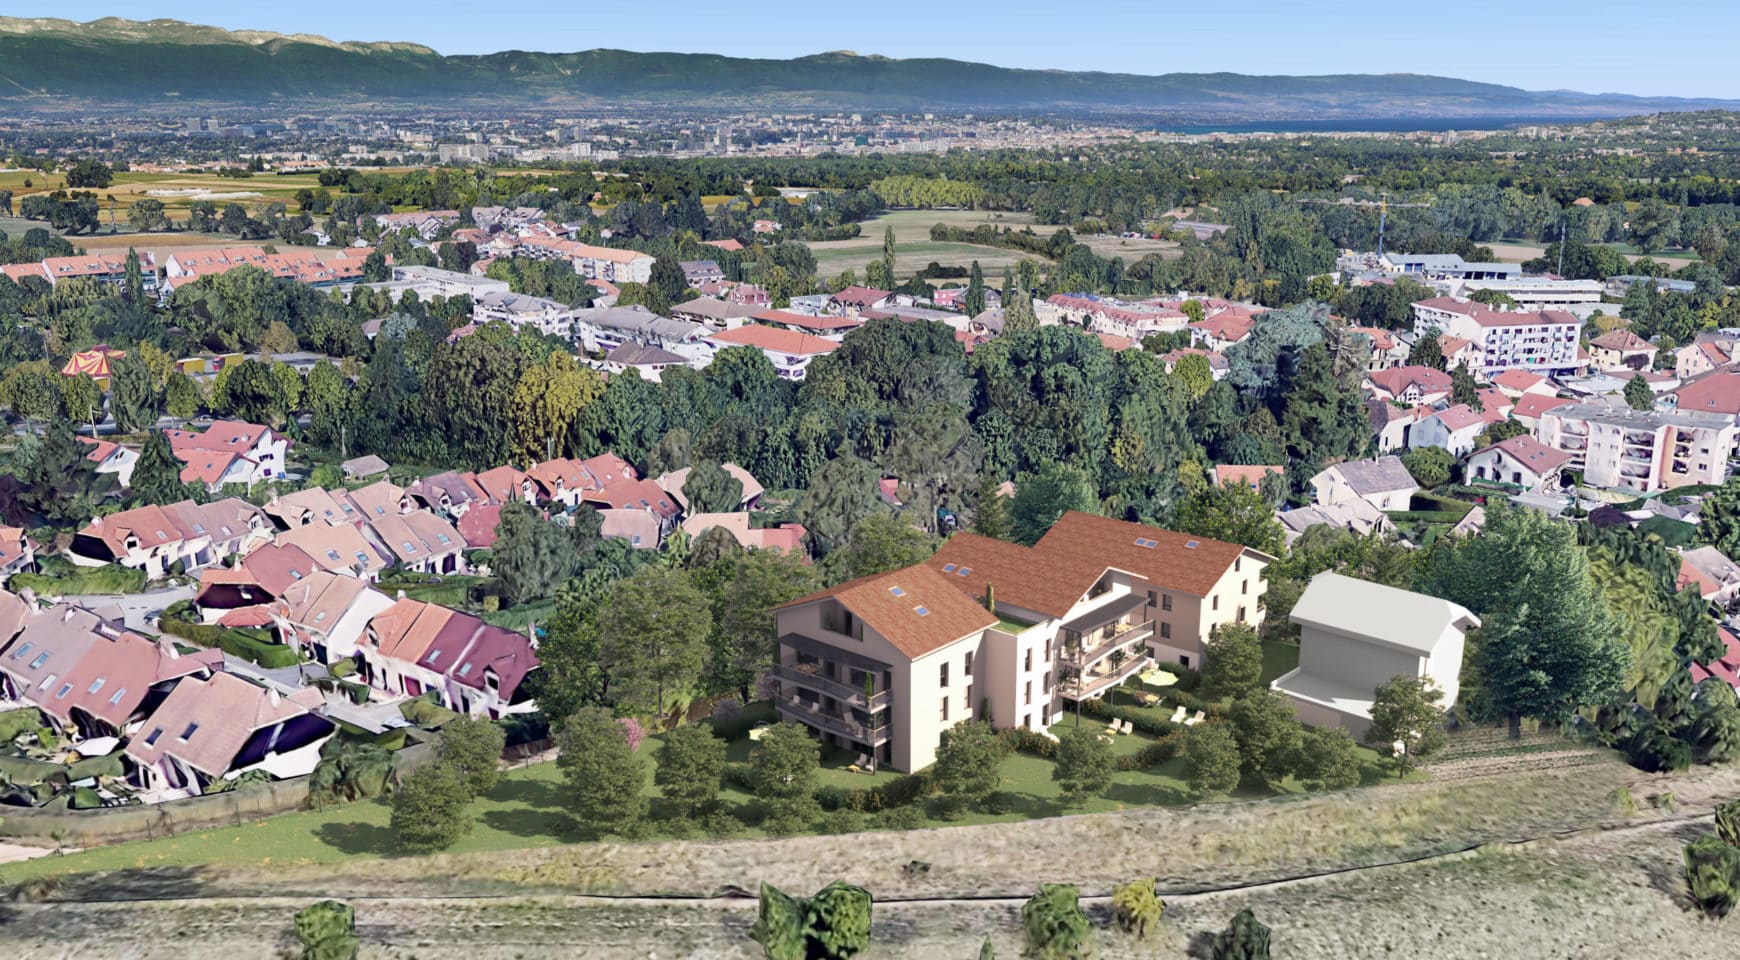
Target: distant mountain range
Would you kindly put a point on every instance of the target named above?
(60, 64)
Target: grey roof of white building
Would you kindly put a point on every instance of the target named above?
(1381, 475)
(1388, 615)
(519, 303)
(639, 320)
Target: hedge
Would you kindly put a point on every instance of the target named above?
(892, 792)
(1427, 516)
(1023, 740)
(249, 644)
(81, 580)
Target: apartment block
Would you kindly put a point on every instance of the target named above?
(1640, 450)
(1543, 342)
(1005, 633)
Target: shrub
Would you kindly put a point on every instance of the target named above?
(901, 818)
(841, 821)
(1032, 742)
(1713, 872)
(1136, 908)
(726, 711)
(721, 823)
(1243, 939)
(1188, 679)
(1152, 755)
(429, 809)
(832, 925)
(1055, 926)
(327, 931)
(1728, 823)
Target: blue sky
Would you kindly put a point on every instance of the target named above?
(1594, 46)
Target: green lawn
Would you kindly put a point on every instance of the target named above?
(1278, 658)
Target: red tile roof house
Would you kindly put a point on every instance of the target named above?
(1409, 385)
(1455, 429)
(1517, 383)
(1521, 461)
(479, 525)
(324, 615)
(156, 539)
(1250, 476)
(790, 352)
(638, 495)
(1219, 332)
(210, 730)
(1094, 602)
(92, 678)
(828, 328)
(419, 541)
(672, 483)
(448, 492)
(229, 451)
(312, 505)
(1725, 669)
(854, 300)
(17, 552)
(414, 648)
(339, 548)
(393, 642)
(262, 576)
(112, 458)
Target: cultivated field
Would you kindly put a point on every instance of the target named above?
(914, 249)
(1519, 252)
(1131, 250)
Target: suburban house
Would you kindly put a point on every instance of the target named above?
(714, 313)
(185, 535)
(324, 614)
(1453, 428)
(262, 576)
(90, 677)
(644, 495)
(1410, 386)
(1517, 384)
(17, 552)
(447, 492)
(229, 451)
(210, 730)
(1640, 450)
(648, 362)
(825, 327)
(1387, 349)
(1384, 483)
(854, 300)
(1221, 331)
(364, 467)
(1251, 476)
(1390, 424)
(112, 458)
(883, 664)
(1520, 461)
(419, 541)
(1355, 516)
(789, 351)
(1716, 392)
(337, 547)
(1716, 577)
(1621, 350)
(412, 648)
(1543, 342)
(1355, 636)
(523, 312)
(641, 528)
(785, 537)
(311, 505)
(1705, 353)
(672, 483)
(697, 272)
(1530, 406)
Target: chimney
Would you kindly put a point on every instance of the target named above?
(991, 598)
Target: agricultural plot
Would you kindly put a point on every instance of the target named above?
(914, 250)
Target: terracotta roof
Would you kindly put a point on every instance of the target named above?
(1115, 343)
(860, 296)
(788, 318)
(277, 566)
(1396, 380)
(478, 525)
(1715, 392)
(775, 340)
(1451, 346)
(1048, 585)
(467, 648)
(1228, 325)
(319, 600)
(1725, 668)
(916, 609)
(1250, 475)
(336, 547)
(205, 723)
(1621, 339)
(404, 630)
(1459, 417)
(1517, 379)
(1530, 452)
(1179, 561)
(377, 499)
(636, 495)
(312, 503)
(1533, 405)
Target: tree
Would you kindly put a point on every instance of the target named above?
(888, 246)
(134, 396)
(991, 510)
(1045, 495)
(1018, 312)
(1638, 394)
(667, 275)
(1327, 759)
(157, 472)
(973, 301)
(250, 391)
(1235, 661)
(605, 775)
(878, 543)
(1268, 734)
(472, 746)
(1463, 388)
(327, 931)
(709, 489)
(1409, 711)
(841, 493)
(1211, 760)
(547, 401)
(1084, 765)
(652, 638)
(429, 809)
(83, 399)
(532, 556)
(181, 396)
(689, 768)
(1243, 939)
(1548, 641)
(1193, 371)
(1429, 466)
(1054, 925)
(967, 759)
(760, 581)
(32, 390)
(782, 772)
(1426, 352)
(1234, 512)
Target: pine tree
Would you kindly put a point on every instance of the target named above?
(157, 473)
(1018, 311)
(991, 513)
(974, 300)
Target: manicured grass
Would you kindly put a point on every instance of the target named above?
(82, 580)
(1278, 658)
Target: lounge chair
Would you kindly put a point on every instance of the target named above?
(1129, 728)
(1179, 715)
(1193, 721)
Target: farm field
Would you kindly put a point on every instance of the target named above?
(1132, 249)
(914, 250)
(176, 190)
(1518, 252)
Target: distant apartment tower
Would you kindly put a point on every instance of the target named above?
(1640, 450)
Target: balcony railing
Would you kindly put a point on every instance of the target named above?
(1079, 687)
(832, 687)
(795, 709)
(1093, 653)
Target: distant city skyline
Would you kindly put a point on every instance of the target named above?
(1598, 46)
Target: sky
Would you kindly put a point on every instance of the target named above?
(1596, 46)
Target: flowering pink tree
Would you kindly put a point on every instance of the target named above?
(632, 732)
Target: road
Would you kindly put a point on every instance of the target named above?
(134, 607)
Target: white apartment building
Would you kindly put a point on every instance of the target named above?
(1543, 342)
(1640, 450)
(1581, 297)
(520, 311)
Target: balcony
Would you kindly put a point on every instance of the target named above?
(1093, 684)
(1096, 648)
(792, 708)
(801, 676)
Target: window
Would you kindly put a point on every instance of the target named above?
(1027, 661)
(96, 685)
(945, 709)
(1153, 599)
(1166, 601)
(1241, 614)
(1047, 649)
(1165, 630)
(152, 739)
(943, 675)
(434, 655)
(1027, 692)
(1236, 562)
(1245, 586)
(39, 661)
(117, 697)
(963, 571)
(1046, 686)
(23, 649)
(65, 689)
(897, 591)
(968, 669)
(948, 568)
(921, 611)
(1216, 603)
(192, 728)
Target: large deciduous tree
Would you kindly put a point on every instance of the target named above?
(605, 775)
(652, 638)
